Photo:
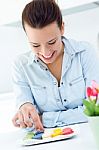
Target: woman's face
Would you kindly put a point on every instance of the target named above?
(46, 42)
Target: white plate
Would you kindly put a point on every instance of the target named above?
(29, 142)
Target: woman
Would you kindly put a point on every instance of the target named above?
(50, 81)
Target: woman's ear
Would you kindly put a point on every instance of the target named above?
(62, 28)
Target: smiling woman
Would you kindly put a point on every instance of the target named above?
(50, 80)
(45, 45)
(13, 41)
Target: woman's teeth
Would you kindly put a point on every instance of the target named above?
(49, 56)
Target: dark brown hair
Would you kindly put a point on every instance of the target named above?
(40, 13)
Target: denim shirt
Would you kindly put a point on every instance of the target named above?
(34, 83)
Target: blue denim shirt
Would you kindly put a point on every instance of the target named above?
(34, 83)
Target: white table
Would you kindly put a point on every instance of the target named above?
(10, 136)
(83, 141)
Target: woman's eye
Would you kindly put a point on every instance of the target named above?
(35, 45)
(52, 43)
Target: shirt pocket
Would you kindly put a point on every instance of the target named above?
(78, 80)
(77, 88)
(39, 94)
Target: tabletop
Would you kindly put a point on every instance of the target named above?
(82, 141)
(10, 135)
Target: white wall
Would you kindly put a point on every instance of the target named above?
(83, 26)
(80, 26)
(12, 42)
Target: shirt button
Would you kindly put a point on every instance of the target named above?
(35, 61)
(44, 87)
(70, 84)
(62, 83)
(65, 100)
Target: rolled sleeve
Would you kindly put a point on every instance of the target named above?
(61, 118)
(50, 119)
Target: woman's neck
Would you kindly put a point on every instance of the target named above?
(56, 67)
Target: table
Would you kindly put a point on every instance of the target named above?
(10, 135)
(83, 141)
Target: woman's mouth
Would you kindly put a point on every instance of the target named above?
(48, 56)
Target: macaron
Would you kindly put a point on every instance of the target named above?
(67, 131)
(29, 135)
(56, 132)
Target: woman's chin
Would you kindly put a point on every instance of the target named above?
(48, 61)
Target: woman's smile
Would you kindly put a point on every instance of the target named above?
(47, 57)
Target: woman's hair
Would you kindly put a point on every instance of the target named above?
(40, 13)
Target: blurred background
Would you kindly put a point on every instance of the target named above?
(81, 19)
(81, 23)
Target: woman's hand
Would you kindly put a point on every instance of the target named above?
(27, 116)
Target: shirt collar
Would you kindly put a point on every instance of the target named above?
(71, 47)
(34, 59)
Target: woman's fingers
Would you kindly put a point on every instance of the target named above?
(18, 120)
(27, 120)
(21, 120)
(14, 120)
(27, 116)
(36, 121)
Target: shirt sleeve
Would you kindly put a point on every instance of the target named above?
(20, 85)
(90, 64)
(61, 118)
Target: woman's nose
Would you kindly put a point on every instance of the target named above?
(45, 51)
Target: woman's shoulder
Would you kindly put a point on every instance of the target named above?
(23, 58)
(78, 46)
